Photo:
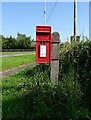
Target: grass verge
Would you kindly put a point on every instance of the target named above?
(12, 62)
(31, 95)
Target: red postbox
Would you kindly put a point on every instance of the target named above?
(43, 44)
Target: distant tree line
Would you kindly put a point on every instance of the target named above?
(20, 42)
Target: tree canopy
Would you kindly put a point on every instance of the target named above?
(20, 42)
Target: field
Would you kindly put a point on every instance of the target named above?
(12, 62)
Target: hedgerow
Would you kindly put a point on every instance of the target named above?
(76, 59)
(31, 95)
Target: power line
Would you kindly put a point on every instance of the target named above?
(52, 11)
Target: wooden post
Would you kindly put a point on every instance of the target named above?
(55, 58)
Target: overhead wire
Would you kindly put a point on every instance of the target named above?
(51, 11)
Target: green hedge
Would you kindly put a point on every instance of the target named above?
(76, 59)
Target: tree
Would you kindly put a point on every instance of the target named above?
(8, 42)
(24, 42)
(21, 42)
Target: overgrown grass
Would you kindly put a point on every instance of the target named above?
(76, 58)
(12, 62)
(31, 95)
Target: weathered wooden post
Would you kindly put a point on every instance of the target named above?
(55, 58)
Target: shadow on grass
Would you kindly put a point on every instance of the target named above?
(41, 101)
(19, 101)
(34, 97)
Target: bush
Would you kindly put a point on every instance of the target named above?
(76, 59)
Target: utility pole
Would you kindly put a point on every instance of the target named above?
(45, 12)
(74, 38)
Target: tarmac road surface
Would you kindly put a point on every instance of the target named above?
(16, 70)
(16, 54)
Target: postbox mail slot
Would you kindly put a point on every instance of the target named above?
(44, 38)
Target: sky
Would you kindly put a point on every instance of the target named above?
(90, 20)
(23, 17)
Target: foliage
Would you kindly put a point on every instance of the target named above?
(31, 95)
(8, 43)
(76, 59)
(12, 62)
(21, 42)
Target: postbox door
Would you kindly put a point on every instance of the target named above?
(42, 52)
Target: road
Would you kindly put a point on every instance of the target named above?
(16, 70)
(16, 54)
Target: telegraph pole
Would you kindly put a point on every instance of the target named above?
(45, 12)
(74, 38)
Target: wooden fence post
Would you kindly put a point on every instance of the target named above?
(55, 58)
